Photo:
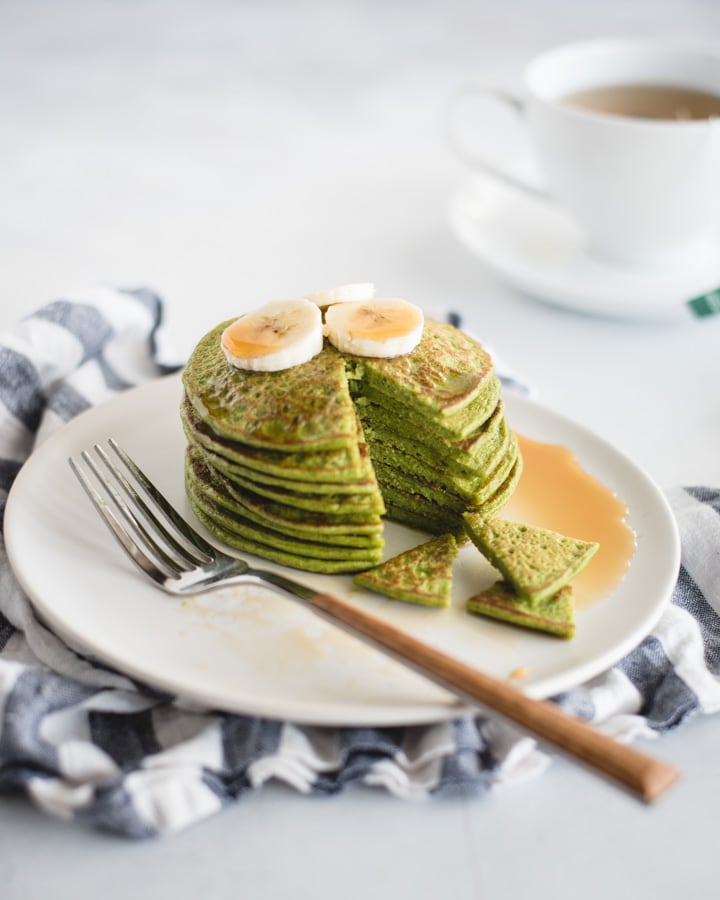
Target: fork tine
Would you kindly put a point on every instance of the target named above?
(172, 565)
(186, 530)
(188, 553)
(118, 531)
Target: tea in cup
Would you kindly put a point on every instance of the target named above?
(627, 136)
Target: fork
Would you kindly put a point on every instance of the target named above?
(181, 562)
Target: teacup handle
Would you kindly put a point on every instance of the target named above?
(472, 160)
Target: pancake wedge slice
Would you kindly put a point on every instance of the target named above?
(554, 615)
(537, 562)
(421, 575)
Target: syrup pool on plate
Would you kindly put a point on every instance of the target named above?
(555, 492)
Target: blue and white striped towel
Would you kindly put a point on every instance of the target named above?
(87, 744)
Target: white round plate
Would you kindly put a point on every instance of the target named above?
(249, 650)
(537, 248)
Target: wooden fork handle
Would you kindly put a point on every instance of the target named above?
(642, 774)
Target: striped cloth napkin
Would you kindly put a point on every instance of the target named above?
(86, 743)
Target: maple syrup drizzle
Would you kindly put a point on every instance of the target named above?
(555, 492)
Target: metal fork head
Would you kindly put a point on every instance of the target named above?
(150, 530)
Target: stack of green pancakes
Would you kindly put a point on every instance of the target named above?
(300, 466)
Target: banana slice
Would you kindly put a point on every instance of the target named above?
(277, 336)
(344, 293)
(380, 328)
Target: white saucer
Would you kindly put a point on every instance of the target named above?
(537, 248)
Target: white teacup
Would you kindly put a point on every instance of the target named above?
(645, 190)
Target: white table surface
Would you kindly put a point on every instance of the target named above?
(230, 153)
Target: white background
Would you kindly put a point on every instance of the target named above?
(228, 153)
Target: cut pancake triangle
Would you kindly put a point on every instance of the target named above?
(554, 614)
(421, 575)
(535, 561)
